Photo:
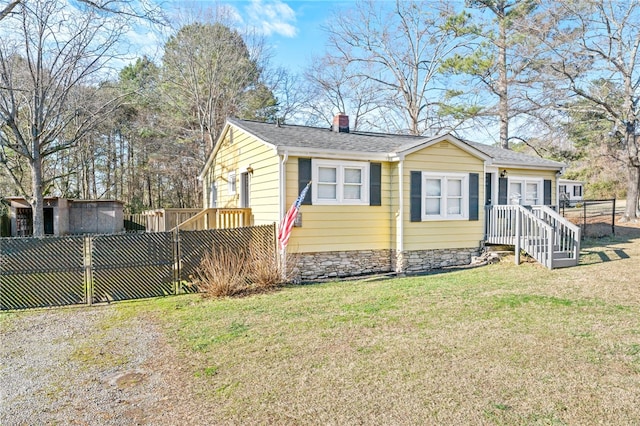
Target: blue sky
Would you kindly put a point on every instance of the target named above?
(292, 29)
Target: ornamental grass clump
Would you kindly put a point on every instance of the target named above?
(223, 273)
(230, 273)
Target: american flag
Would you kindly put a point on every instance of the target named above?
(284, 231)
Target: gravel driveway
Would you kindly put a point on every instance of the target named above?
(89, 366)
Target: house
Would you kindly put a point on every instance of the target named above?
(64, 216)
(571, 192)
(378, 202)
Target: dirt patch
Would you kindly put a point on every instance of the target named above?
(88, 366)
(127, 379)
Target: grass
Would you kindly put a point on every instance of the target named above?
(501, 344)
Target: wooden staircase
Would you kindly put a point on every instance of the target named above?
(537, 230)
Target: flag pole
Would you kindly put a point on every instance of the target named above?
(286, 225)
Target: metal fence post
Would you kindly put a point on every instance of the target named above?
(176, 260)
(613, 218)
(88, 269)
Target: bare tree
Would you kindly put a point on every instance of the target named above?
(398, 49)
(289, 90)
(6, 10)
(145, 9)
(50, 64)
(332, 89)
(591, 42)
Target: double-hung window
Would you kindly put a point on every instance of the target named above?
(340, 182)
(445, 196)
(577, 191)
(525, 191)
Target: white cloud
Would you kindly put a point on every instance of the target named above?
(271, 17)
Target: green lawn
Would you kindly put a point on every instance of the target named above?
(501, 344)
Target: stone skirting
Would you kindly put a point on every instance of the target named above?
(338, 264)
(335, 264)
(412, 262)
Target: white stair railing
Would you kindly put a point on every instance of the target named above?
(566, 235)
(539, 231)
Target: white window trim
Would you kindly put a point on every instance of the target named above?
(525, 180)
(245, 198)
(213, 195)
(443, 205)
(232, 184)
(340, 166)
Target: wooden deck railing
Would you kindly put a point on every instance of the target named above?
(161, 220)
(217, 218)
(539, 231)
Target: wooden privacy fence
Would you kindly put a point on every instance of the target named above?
(58, 271)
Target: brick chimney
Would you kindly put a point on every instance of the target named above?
(340, 123)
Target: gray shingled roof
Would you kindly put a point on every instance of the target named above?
(293, 136)
(512, 158)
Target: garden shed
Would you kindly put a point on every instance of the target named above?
(64, 216)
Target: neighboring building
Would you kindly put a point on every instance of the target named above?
(68, 216)
(378, 202)
(571, 192)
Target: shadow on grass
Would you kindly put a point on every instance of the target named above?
(602, 249)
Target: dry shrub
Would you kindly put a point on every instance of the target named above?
(228, 273)
(222, 273)
(269, 270)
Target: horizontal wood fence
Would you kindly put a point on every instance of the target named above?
(58, 271)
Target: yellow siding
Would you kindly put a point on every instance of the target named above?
(442, 157)
(339, 227)
(264, 181)
(349, 227)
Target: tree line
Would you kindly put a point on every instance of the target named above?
(80, 120)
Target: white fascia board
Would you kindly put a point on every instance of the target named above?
(332, 154)
(527, 167)
(213, 153)
(227, 128)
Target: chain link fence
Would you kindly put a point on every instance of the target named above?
(596, 218)
(58, 271)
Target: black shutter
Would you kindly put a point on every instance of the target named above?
(502, 191)
(416, 197)
(304, 176)
(547, 192)
(375, 184)
(488, 189)
(474, 183)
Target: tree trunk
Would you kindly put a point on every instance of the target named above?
(37, 199)
(503, 107)
(633, 195)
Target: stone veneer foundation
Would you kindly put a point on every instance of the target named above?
(412, 262)
(338, 264)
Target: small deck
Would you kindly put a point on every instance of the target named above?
(538, 230)
(217, 218)
(163, 220)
